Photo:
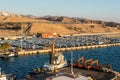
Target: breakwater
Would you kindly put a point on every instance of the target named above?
(66, 49)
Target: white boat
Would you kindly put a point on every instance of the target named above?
(7, 76)
(57, 60)
(8, 55)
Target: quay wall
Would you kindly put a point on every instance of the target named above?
(66, 49)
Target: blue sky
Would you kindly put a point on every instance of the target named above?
(108, 10)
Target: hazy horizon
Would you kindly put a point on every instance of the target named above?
(106, 10)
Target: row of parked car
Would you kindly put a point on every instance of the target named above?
(60, 42)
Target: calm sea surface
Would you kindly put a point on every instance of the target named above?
(24, 64)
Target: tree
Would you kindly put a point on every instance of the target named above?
(5, 46)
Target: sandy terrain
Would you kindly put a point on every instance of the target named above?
(47, 26)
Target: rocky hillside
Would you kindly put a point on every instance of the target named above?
(12, 24)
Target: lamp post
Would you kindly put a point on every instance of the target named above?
(71, 59)
(21, 37)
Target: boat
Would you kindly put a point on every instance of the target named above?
(8, 55)
(57, 60)
(4, 76)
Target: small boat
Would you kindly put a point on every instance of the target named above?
(57, 60)
(8, 55)
(4, 76)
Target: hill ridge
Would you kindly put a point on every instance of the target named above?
(60, 24)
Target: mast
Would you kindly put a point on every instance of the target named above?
(52, 53)
(53, 47)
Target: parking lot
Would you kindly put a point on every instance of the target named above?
(61, 42)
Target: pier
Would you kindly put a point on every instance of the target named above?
(66, 49)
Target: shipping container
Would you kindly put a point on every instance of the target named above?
(49, 35)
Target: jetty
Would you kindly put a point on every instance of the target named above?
(24, 52)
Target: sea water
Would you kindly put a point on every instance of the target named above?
(22, 65)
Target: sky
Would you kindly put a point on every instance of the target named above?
(107, 10)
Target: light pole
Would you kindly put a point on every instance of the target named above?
(21, 38)
(71, 59)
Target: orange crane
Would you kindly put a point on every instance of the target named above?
(80, 65)
(77, 63)
(95, 65)
(87, 64)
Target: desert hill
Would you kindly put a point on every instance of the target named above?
(11, 24)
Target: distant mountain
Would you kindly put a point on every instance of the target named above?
(11, 24)
(65, 19)
(62, 19)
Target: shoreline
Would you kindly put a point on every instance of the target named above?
(15, 37)
(66, 49)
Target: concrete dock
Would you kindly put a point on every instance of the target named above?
(65, 49)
